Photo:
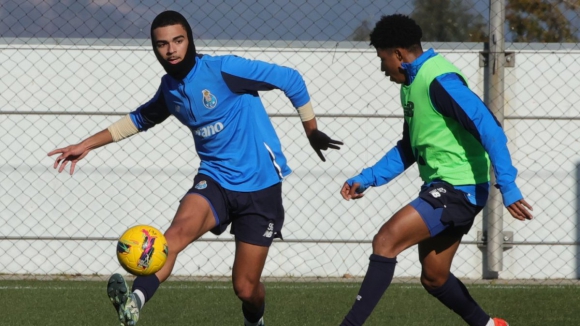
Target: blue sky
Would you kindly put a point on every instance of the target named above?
(234, 19)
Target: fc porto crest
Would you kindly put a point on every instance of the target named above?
(209, 100)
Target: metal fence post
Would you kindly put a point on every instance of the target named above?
(494, 99)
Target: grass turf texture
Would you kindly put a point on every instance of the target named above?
(288, 304)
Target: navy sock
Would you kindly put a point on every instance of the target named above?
(146, 284)
(376, 281)
(455, 296)
(253, 317)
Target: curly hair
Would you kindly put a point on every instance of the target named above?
(396, 31)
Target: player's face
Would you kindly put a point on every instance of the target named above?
(171, 42)
(391, 60)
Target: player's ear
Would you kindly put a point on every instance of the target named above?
(398, 54)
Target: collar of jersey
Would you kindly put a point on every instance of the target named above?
(411, 69)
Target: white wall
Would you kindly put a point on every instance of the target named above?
(142, 179)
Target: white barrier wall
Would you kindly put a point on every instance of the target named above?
(141, 180)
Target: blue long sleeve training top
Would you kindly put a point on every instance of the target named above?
(218, 101)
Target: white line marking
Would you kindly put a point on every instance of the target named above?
(297, 286)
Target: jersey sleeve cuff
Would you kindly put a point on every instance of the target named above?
(300, 100)
(511, 195)
(360, 179)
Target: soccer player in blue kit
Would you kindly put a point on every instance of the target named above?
(242, 164)
(454, 138)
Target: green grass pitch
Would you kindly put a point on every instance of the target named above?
(288, 304)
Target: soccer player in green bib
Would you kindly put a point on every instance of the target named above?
(454, 138)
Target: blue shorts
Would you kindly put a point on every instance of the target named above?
(256, 217)
(442, 207)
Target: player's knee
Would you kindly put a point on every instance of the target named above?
(246, 291)
(177, 238)
(383, 245)
(175, 233)
(433, 280)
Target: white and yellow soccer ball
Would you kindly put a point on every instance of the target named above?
(142, 250)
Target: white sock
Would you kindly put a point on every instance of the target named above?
(490, 323)
(142, 298)
(258, 323)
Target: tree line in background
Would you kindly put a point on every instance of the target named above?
(526, 21)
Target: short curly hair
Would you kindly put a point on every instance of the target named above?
(396, 31)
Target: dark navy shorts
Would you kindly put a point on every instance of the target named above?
(256, 217)
(442, 207)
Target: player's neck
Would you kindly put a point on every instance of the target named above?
(412, 56)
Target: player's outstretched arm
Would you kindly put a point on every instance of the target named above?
(521, 210)
(74, 153)
(117, 131)
(319, 140)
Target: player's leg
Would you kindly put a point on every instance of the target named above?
(248, 265)
(259, 217)
(194, 217)
(406, 228)
(436, 255)
(451, 207)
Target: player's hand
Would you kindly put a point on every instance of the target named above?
(521, 210)
(349, 192)
(320, 141)
(72, 154)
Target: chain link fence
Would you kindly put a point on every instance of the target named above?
(70, 68)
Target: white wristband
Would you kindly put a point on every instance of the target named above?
(123, 128)
(306, 112)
